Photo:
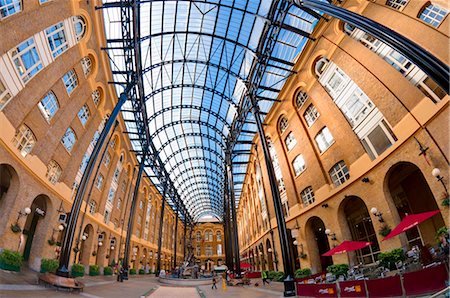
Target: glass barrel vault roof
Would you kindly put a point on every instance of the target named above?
(198, 59)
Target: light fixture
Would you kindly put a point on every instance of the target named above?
(100, 243)
(269, 249)
(325, 205)
(331, 235)
(377, 213)
(365, 180)
(436, 172)
(295, 242)
(27, 210)
(83, 237)
(60, 228)
(112, 247)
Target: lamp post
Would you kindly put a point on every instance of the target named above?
(330, 234)
(377, 213)
(437, 173)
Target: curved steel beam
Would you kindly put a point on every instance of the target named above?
(189, 121)
(193, 147)
(219, 165)
(191, 189)
(191, 134)
(190, 169)
(181, 184)
(195, 86)
(191, 107)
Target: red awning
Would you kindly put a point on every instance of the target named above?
(347, 246)
(245, 265)
(409, 222)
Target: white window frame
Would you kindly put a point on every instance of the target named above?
(16, 5)
(99, 182)
(66, 141)
(48, 106)
(70, 80)
(307, 196)
(311, 114)
(86, 64)
(29, 49)
(96, 97)
(397, 4)
(107, 159)
(54, 172)
(433, 20)
(84, 114)
(339, 173)
(5, 94)
(92, 207)
(290, 141)
(24, 140)
(283, 125)
(53, 33)
(79, 20)
(323, 140)
(301, 98)
(299, 165)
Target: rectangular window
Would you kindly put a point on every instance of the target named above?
(92, 207)
(355, 106)
(107, 216)
(5, 95)
(339, 173)
(324, 139)
(379, 139)
(433, 15)
(299, 165)
(57, 40)
(84, 114)
(99, 182)
(43, 1)
(307, 196)
(111, 194)
(26, 59)
(10, 7)
(107, 159)
(290, 141)
(397, 4)
(311, 114)
(336, 82)
(70, 80)
(48, 106)
(69, 139)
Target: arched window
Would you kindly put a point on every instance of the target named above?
(311, 114)
(96, 97)
(69, 138)
(301, 98)
(198, 236)
(339, 173)
(433, 14)
(107, 159)
(320, 66)
(299, 164)
(84, 114)
(290, 141)
(53, 172)
(283, 124)
(24, 140)
(79, 25)
(49, 106)
(307, 196)
(86, 64)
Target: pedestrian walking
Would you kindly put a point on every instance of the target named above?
(264, 277)
(214, 286)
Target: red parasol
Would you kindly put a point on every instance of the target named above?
(245, 265)
(410, 221)
(346, 246)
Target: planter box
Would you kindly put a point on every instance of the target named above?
(9, 267)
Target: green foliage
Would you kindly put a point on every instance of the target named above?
(107, 271)
(301, 273)
(132, 271)
(442, 231)
(384, 230)
(338, 269)
(389, 258)
(141, 271)
(77, 270)
(49, 265)
(276, 275)
(94, 270)
(15, 228)
(10, 260)
(51, 242)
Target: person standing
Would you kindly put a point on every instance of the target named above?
(264, 277)
(214, 286)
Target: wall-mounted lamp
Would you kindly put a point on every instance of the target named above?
(100, 243)
(365, 180)
(269, 249)
(437, 173)
(325, 205)
(377, 213)
(84, 237)
(23, 212)
(295, 242)
(331, 235)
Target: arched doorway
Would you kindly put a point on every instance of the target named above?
(359, 227)
(318, 244)
(34, 229)
(411, 194)
(9, 188)
(86, 244)
(269, 255)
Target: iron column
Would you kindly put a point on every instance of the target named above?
(161, 221)
(232, 202)
(175, 242)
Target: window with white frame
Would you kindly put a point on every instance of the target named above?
(198, 237)
(355, 105)
(84, 114)
(302, 97)
(96, 97)
(119, 203)
(299, 164)
(10, 7)
(5, 95)
(208, 251)
(397, 4)
(218, 236)
(86, 64)
(92, 207)
(57, 40)
(113, 142)
(44, 1)
(107, 159)
(53, 172)
(70, 80)
(283, 125)
(433, 14)
(378, 139)
(290, 141)
(139, 219)
(431, 89)
(99, 182)
(79, 25)
(124, 185)
(69, 138)
(24, 140)
(311, 114)
(339, 173)
(219, 249)
(307, 196)
(141, 205)
(48, 106)
(107, 217)
(324, 139)
(111, 194)
(198, 251)
(26, 59)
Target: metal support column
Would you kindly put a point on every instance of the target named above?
(289, 285)
(184, 242)
(437, 70)
(123, 215)
(72, 219)
(232, 202)
(227, 230)
(175, 242)
(134, 200)
(161, 222)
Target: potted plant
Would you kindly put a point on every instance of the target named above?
(51, 242)
(15, 228)
(442, 231)
(384, 230)
(10, 260)
(389, 258)
(94, 270)
(302, 273)
(49, 265)
(77, 270)
(303, 255)
(141, 271)
(132, 271)
(107, 271)
(338, 269)
(445, 199)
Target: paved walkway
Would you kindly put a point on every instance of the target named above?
(175, 292)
